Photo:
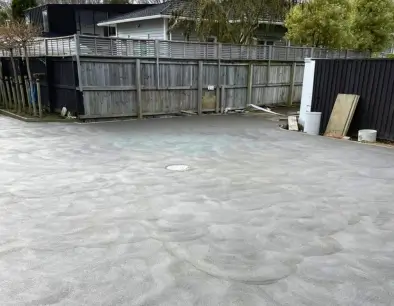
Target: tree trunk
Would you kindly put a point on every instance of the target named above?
(17, 94)
(30, 80)
(20, 81)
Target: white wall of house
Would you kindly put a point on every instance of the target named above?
(158, 29)
(264, 35)
(144, 29)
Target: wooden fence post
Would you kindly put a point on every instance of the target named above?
(222, 98)
(138, 86)
(269, 64)
(250, 85)
(199, 89)
(39, 97)
(291, 87)
(78, 60)
(217, 105)
(157, 53)
(95, 46)
(46, 46)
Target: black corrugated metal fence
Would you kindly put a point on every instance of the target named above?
(372, 79)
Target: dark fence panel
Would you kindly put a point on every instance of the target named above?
(372, 79)
(58, 79)
(37, 66)
(64, 83)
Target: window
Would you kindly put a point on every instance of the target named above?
(45, 20)
(109, 31)
(27, 18)
(78, 22)
(212, 39)
(265, 42)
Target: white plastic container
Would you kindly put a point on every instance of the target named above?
(312, 123)
(367, 136)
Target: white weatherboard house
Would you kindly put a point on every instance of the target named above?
(152, 23)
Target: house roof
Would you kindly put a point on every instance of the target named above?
(163, 10)
(154, 11)
(121, 8)
(157, 9)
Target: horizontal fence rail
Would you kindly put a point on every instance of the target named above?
(143, 48)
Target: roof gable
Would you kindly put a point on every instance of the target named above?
(163, 10)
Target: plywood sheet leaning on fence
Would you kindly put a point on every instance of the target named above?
(341, 115)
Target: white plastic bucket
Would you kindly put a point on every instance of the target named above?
(367, 136)
(312, 123)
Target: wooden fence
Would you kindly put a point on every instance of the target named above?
(137, 87)
(99, 77)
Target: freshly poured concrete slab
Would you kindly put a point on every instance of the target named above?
(341, 115)
(100, 214)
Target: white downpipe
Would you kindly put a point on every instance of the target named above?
(307, 89)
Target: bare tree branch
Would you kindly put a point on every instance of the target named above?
(21, 35)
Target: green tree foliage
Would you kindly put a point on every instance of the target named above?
(5, 12)
(4, 16)
(373, 24)
(233, 21)
(320, 23)
(19, 6)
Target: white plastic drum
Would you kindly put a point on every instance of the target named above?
(367, 136)
(312, 123)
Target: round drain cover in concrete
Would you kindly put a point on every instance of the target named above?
(178, 167)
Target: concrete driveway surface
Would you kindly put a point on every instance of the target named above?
(90, 216)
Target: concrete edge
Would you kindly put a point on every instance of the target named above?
(15, 116)
(25, 119)
(376, 144)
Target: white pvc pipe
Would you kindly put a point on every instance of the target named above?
(307, 89)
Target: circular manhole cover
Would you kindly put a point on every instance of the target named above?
(178, 167)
